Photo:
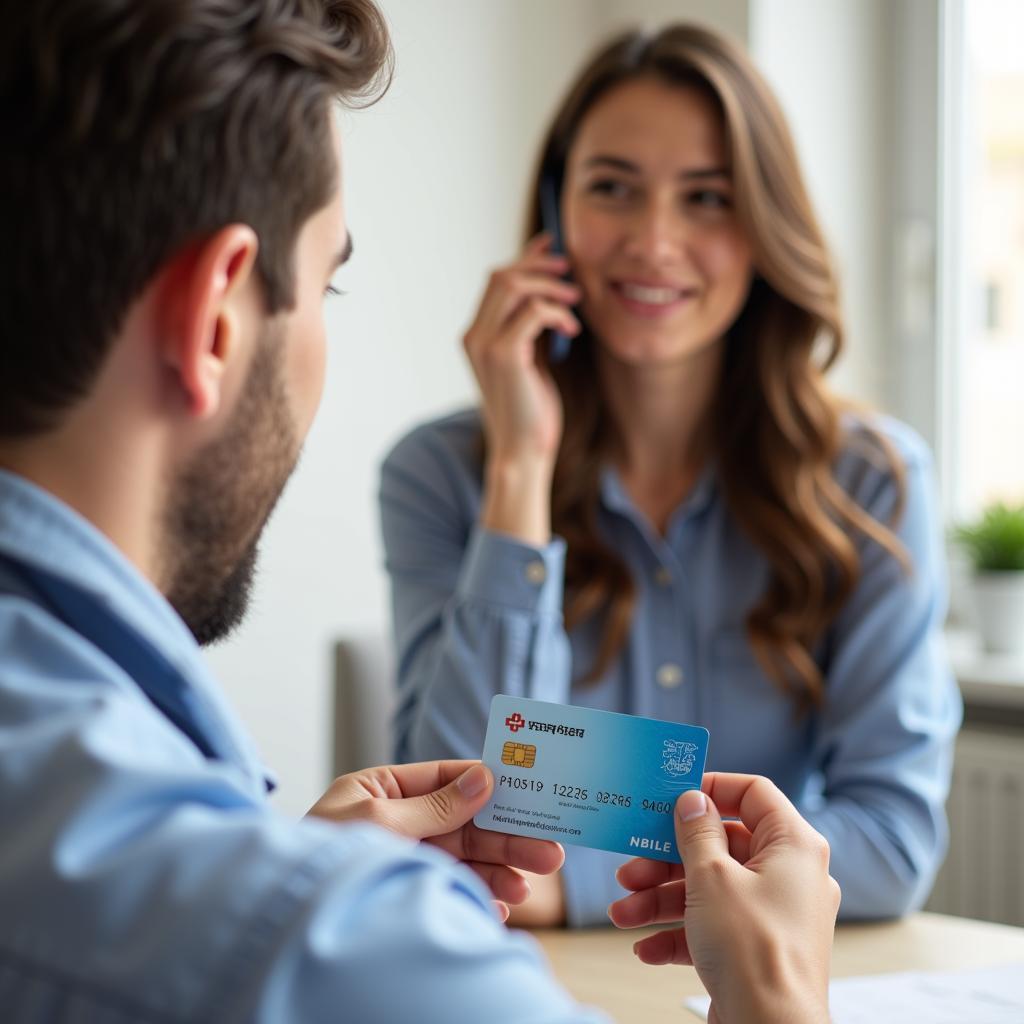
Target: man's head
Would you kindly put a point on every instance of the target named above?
(170, 202)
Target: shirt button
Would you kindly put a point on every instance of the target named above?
(669, 676)
(535, 572)
(663, 576)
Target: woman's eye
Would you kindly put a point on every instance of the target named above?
(332, 290)
(709, 199)
(610, 189)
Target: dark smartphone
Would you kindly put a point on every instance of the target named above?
(552, 224)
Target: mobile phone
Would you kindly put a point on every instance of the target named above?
(552, 224)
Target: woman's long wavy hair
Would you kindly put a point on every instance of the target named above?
(775, 428)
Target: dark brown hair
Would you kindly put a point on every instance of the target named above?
(775, 428)
(134, 128)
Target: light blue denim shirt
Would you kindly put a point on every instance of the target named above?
(475, 616)
(141, 881)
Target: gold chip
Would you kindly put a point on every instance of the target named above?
(519, 755)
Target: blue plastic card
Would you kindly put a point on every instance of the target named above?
(593, 778)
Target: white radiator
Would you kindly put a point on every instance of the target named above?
(983, 876)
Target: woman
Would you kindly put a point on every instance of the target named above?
(679, 520)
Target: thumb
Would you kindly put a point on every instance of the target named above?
(700, 833)
(446, 809)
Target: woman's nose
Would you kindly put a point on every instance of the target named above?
(658, 233)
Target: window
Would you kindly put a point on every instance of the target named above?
(983, 264)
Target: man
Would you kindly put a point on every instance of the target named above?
(172, 214)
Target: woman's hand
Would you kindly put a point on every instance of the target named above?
(435, 801)
(522, 411)
(758, 902)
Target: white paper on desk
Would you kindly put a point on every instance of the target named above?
(992, 995)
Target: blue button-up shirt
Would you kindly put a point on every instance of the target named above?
(477, 613)
(141, 880)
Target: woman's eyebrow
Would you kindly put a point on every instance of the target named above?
(622, 164)
(618, 162)
(704, 172)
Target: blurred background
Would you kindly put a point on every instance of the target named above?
(909, 118)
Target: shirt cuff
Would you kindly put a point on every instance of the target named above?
(588, 878)
(501, 570)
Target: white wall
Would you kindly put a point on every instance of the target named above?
(729, 16)
(828, 61)
(434, 178)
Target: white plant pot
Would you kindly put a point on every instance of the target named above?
(999, 610)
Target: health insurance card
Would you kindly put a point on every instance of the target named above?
(589, 777)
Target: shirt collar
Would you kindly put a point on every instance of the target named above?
(38, 528)
(616, 499)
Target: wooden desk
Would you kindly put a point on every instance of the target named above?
(598, 966)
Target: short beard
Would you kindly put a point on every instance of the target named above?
(222, 499)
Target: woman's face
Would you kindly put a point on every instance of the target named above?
(647, 210)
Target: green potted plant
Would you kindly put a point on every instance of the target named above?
(995, 546)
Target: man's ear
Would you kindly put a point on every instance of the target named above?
(207, 283)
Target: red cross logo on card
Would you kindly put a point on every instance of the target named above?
(515, 722)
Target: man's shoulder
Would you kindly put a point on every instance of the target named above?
(61, 692)
(124, 828)
(37, 648)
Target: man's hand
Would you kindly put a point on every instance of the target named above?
(435, 801)
(758, 901)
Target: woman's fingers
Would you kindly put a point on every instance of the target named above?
(524, 288)
(539, 245)
(507, 292)
(537, 315)
(521, 405)
(537, 272)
